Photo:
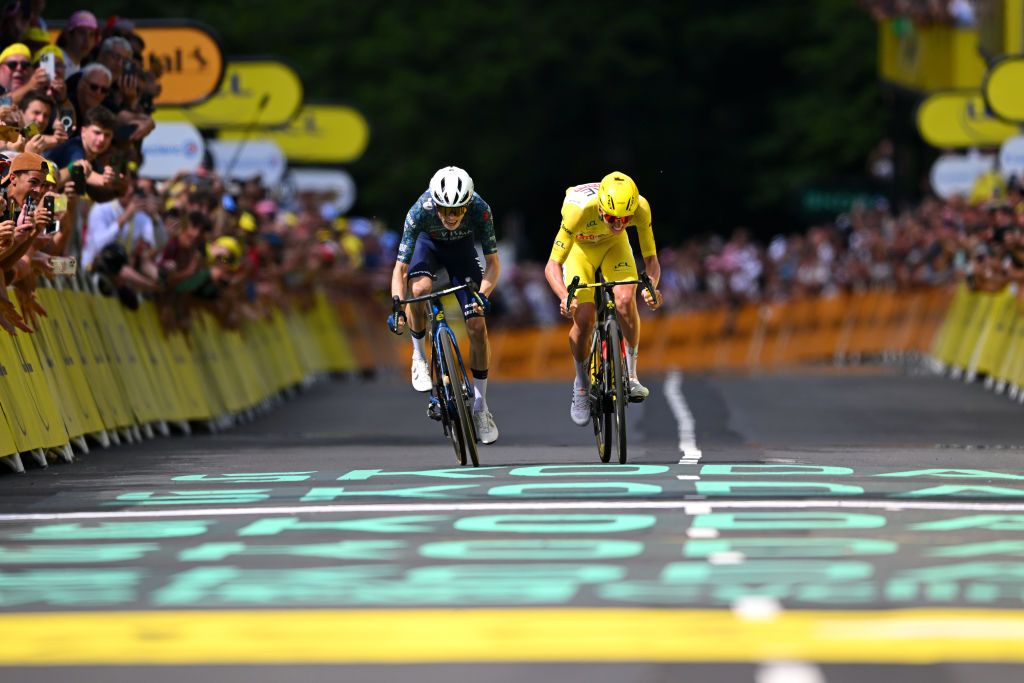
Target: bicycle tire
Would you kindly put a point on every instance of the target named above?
(599, 416)
(615, 360)
(462, 395)
(449, 421)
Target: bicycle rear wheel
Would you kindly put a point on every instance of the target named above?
(615, 359)
(461, 394)
(600, 416)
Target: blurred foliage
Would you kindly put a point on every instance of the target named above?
(719, 110)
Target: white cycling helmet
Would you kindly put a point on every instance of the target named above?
(451, 187)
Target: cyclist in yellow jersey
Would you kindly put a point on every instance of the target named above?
(593, 235)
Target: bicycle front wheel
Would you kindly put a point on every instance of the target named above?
(616, 358)
(599, 414)
(461, 394)
(449, 419)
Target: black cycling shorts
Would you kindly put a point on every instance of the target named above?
(458, 258)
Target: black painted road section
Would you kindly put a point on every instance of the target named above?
(885, 505)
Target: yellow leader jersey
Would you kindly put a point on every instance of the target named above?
(582, 224)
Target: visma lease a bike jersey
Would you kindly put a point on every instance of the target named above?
(422, 218)
(582, 224)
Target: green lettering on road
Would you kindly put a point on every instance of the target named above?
(555, 524)
(574, 573)
(576, 490)
(979, 549)
(343, 550)
(953, 474)
(401, 524)
(953, 490)
(325, 495)
(767, 571)
(226, 497)
(770, 521)
(534, 549)
(452, 473)
(589, 471)
(765, 548)
(113, 531)
(775, 488)
(70, 587)
(76, 554)
(247, 477)
(774, 470)
(989, 522)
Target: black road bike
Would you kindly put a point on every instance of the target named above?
(608, 391)
(452, 389)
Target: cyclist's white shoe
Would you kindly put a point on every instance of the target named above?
(421, 375)
(580, 408)
(637, 392)
(485, 427)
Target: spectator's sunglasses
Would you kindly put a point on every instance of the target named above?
(452, 211)
(615, 220)
(14, 65)
(225, 260)
(96, 87)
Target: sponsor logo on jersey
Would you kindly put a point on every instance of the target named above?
(586, 238)
(621, 265)
(487, 216)
(591, 224)
(560, 244)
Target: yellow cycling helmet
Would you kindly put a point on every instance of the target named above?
(618, 195)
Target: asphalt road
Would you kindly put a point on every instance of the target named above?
(777, 529)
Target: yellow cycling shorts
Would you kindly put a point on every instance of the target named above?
(613, 257)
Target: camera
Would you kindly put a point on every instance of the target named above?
(51, 227)
(78, 176)
(67, 119)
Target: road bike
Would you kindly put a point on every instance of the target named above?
(452, 390)
(608, 376)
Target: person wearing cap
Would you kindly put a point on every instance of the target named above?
(25, 182)
(17, 75)
(78, 39)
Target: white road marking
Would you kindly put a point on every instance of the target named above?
(789, 672)
(689, 508)
(727, 557)
(756, 608)
(684, 419)
(701, 532)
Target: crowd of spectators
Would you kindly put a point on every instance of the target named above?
(73, 115)
(961, 13)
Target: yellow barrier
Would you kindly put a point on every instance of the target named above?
(95, 368)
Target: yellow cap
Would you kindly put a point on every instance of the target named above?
(51, 176)
(15, 50)
(226, 250)
(36, 34)
(291, 220)
(46, 50)
(247, 222)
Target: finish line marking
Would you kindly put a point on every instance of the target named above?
(688, 507)
(910, 636)
(687, 425)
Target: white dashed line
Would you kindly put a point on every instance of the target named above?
(684, 419)
(756, 608)
(789, 672)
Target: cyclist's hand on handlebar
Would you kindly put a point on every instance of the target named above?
(570, 311)
(482, 304)
(396, 322)
(651, 302)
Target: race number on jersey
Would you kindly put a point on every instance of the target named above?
(581, 195)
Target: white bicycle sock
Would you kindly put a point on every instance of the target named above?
(480, 394)
(419, 347)
(631, 354)
(582, 374)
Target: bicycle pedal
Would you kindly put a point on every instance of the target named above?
(637, 399)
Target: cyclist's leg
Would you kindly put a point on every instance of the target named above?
(618, 264)
(578, 263)
(422, 267)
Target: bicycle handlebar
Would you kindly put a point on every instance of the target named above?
(575, 285)
(397, 303)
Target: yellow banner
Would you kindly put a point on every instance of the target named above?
(192, 61)
(320, 134)
(1004, 89)
(958, 119)
(929, 58)
(246, 85)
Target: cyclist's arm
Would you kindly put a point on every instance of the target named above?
(653, 269)
(492, 271)
(559, 252)
(399, 276)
